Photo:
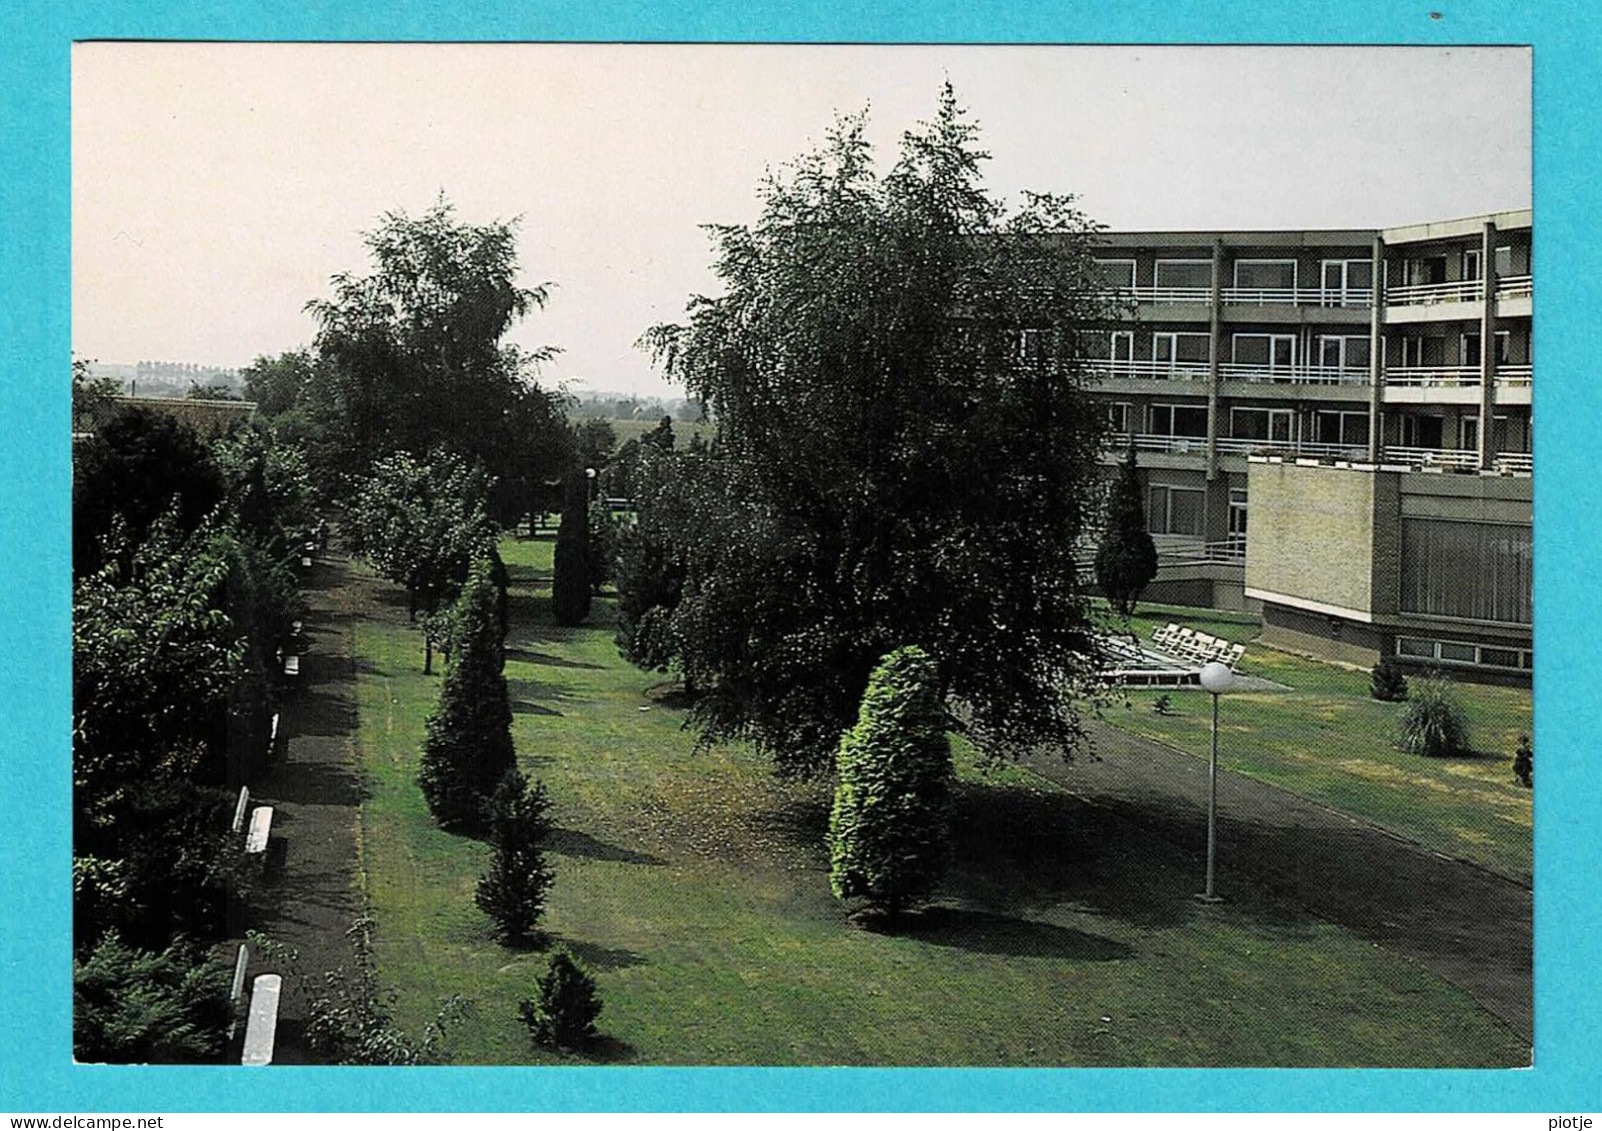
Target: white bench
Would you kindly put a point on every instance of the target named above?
(261, 830)
(292, 665)
(239, 810)
(261, 1028)
(237, 992)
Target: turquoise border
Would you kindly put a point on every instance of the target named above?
(36, 1073)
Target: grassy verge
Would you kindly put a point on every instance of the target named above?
(695, 886)
(1326, 739)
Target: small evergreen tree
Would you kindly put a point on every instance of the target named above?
(1126, 561)
(1387, 682)
(1434, 725)
(135, 1006)
(512, 891)
(603, 530)
(570, 587)
(1524, 762)
(563, 1016)
(889, 831)
(469, 744)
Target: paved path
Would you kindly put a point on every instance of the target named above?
(312, 893)
(1468, 925)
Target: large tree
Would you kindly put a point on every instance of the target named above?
(411, 357)
(903, 451)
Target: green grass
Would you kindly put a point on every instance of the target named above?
(682, 431)
(695, 887)
(1327, 739)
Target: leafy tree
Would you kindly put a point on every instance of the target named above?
(512, 891)
(595, 441)
(421, 525)
(1126, 561)
(649, 570)
(563, 1015)
(133, 1006)
(468, 749)
(278, 385)
(660, 437)
(214, 391)
(1434, 724)
(136, 467)
(410, 358)
(570, 583)
(602, 551)
(890, 829)
(91, 395)
(903, 450)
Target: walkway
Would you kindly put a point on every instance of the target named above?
(1466, 924)
(312, 894)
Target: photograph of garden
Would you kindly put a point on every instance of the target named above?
(803, 556)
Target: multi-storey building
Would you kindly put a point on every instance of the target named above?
(1324, 430)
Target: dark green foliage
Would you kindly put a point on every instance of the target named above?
(278, 384)
(570, 585)
(410, 358)
(1126, 561)
(903, 450)
(1434, 724)
(660, 437)
(890, 829)
(563, 1015)
(512, 891)
(1524, 762)
(1163, 704)
(139, 465)
(603, 530)
(468, 749)
(92, 397)
(649, 567)
(133, 1006)
(1388, 682)
(503, 585)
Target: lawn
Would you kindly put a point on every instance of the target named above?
(1327, 739)
(695, 886)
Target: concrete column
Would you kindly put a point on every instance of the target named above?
(1214, 323)
(1376, 350)
(1487, 452)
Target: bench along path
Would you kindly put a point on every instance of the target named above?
(311, 894)
(1469, 925)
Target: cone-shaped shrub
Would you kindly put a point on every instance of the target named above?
(468, 749)
(563, 1015)
(512, 891)
(570, 584)
(1126, 561)
(1387, 682)
(890, 830)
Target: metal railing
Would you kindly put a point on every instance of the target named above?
(1155, 442)
(1513, 286)
(1304, 449)
(1297, 296)
(1295, 374)
(1148, 370)
(1458, 459)
(1515, 376)
(1515, 463)
(1433, 376)
(1423, 294)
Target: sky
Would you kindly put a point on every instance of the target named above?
(217, 187)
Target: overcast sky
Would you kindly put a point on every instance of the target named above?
(216, 187)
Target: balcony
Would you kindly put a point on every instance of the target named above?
(1433, 377)
(1295, 374)
(1457, 459)
(1103, 368)
(1513, 286)
(1300, 296)
(1429, 294)
(1514, 376)
(1296, 449)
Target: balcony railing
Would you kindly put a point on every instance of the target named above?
(1513, 286)
(1453, 459)
(1514, 376)
(1155, 442)
(1515, 463)
(1298, 296)
(1433, 376)
(1296, 374)
(1460, 459)
(1149, 370)
(1303, 449)
(1192, 295)
(1424, 294)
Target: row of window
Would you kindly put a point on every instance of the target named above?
(1462, 652)
(1336, 277)
(1178, 348)
(1341, 427)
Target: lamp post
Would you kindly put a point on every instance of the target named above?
(1215, 678)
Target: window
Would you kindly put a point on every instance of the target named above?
(1503, 258)
(1470, 347)
(1274, 352)
(1237, 517)
(1426, 270)
(1178, 420)
(1423, 352)
(1121, 345)
(1182, 352)
(1116, 273)
(1175, 510)
(1423, 432)
(1470, 570)
(1468, 433)
(1276, 424)
(1343, 351)
(1346, 428)
(1471, 264)
(1265, 274)
(1184, 274)
(1345, 280)
(1462, 652)
(1118, 418)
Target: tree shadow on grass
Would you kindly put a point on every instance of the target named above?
(524, 707)
(523, 655)
(595, 957)
(536, 697)
(610, 1050)
(985, 932)
(570, 842)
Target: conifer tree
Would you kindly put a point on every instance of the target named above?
(1127, 559)
(890, 830)
(512, 891)
(570, 587)
(468, 749)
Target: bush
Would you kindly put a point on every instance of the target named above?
(1387, 683)
(889, 831)
(570, 583)
(1524, 762)
(564, 1015)
(1163, 704)
(1434, 724)
(133, 1006)
(512, 891)
(468, 749)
